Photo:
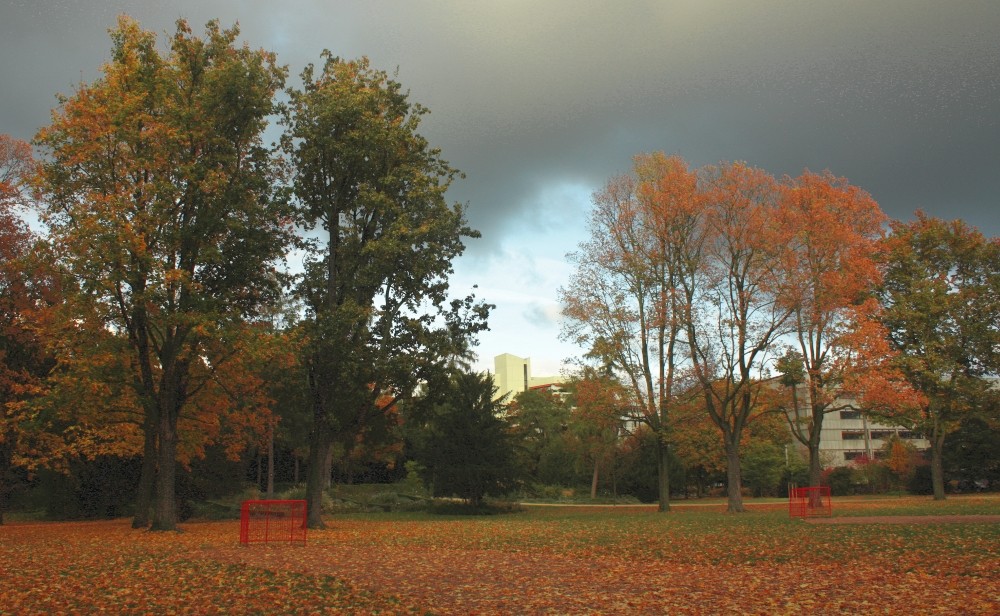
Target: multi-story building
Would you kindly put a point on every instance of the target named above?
(512, 375)
(849, 434)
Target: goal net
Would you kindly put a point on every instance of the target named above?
(810, 502)
(266, 521)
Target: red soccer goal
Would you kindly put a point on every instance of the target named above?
(810, 502)
(264, 521)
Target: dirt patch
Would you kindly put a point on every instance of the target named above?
(908, 519)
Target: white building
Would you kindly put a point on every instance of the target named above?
(849, 434)
(512, 375)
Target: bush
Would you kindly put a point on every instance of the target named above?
(762, 466)
(485, 507)
(372, 498)
(920, 481)
(841, 481)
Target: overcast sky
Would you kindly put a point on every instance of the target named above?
(539, 102)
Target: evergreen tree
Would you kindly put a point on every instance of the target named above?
(464, 446)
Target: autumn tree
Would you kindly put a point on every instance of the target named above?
(288, 386)
(600, 407)
(899, 458)
(376, 280)
(16, 167)
(940, 298)
(625, 301)
(697, 444)
(23, 361)
(830, 271)
(159, 195)
(736, 315)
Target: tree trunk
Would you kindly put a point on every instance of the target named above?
(165, 509)
(327, 466)
(270, 463)
(593, 480)
(147, 474)
(815, 436)
(815, 465)
(663, 473)
(6, 455)
(319, 453)
(815, 473)
(734, 481)
(937, 466)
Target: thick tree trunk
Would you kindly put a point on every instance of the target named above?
(165, 509)
(734, 480)
(937, 466)
(815, 473)
(815, 435)
(663, 474)
(815, 465)
(147, 474)
(319, 453)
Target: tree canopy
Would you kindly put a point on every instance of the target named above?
(376, 280)
(941, 299)
(160, 197)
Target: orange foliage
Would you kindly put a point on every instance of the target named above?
(16, 166)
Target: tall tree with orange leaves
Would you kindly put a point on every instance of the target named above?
(830, 272)
(626, 301)
(600, 408)
(159, 194)
(736, 315)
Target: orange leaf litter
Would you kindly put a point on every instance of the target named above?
(521, 564)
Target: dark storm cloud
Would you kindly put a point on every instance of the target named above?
(900, 97)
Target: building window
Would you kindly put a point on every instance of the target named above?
(850, 414)
(852, 435)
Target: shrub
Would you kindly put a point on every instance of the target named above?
(841, 481)
(485, 507)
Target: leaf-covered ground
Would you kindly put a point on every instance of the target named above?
(563, 560)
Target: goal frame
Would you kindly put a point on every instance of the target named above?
(810, 502)
(273, 521)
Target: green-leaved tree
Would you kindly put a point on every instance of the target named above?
(372, 190)
(941, 306)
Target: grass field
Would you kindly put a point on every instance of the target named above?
(559, 560)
